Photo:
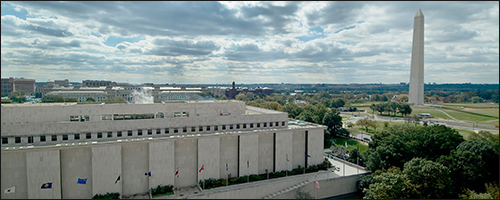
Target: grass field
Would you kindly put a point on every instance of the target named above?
(351, 144)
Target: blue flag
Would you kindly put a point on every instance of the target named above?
(117, 179)
(307, 155)
(82, 181)
(47, 185)
(147, 174)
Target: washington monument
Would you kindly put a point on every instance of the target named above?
(416, 96)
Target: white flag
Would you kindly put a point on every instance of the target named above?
(345, 144)
(10, 190)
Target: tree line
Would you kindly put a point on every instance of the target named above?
(430, 162)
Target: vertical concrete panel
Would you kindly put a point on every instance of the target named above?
(14, 174)
(284, 148)
(135, 163)
(299, 148)
(76, 163)
(249, 149)
(315, 146)
(186, 151)
(229, 156)
(43, 167)
(161, 163)
(106, 167)
(209, 157)
(266, 155)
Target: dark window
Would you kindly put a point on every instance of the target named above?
(166, 130)
(5, 140)
(30, 139)
(99, 135)
(237, 126)
(65, 137)
(270, 124)
(77, 137)
(244, 125)
(139, 132)
(258, 125)
(282, 123)
(18, 139)
(118, 134)
(251, 125)
(277, 123)
(158, 131)
(176, 130)
(150, 131)
(231, 126)
(223, 127)
(54, 137)
(264, 124)
(208, 128)
(129, 133)
(193, 129)
(216, 128)
(200, 128)
(110, 134)
(88, 135)
(184, 129)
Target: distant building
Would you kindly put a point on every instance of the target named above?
(18, 84)
(96, 83)
(231, 93)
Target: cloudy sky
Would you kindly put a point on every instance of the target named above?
(249, 42)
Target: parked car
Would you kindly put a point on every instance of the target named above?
(367, 139)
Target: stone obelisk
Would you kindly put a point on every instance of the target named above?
(416, 96)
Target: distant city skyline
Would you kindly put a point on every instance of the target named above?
(213, 42)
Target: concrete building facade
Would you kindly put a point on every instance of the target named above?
(18, 84)
(62, 143)
(416, 93)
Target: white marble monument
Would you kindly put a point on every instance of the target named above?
(416, 96)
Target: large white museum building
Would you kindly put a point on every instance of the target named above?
(74, 150)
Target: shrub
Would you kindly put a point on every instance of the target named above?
(108, 195)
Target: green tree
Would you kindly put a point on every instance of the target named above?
(292, 109)
(404, 109)
(332, 120)
(365, 122)
(431, 179)
(17, 96)
(395, 145)
(70, 99)
(392, 184)
(48, 98)
(59, 99)
(90, 99)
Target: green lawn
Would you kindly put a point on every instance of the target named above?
(351, 144)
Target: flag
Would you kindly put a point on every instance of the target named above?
(10, 190)
(147, 173)
(226, 167)
(117, 179)
(287, 157)
(248, 164)
(346, 144)
(82, 181)
(317, 184)
(201, 169)
(307, 155)
(177, 173)
(47, 185)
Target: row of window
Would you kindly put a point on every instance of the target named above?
(83, 118)
(140, 132)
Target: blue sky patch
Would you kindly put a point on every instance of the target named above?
(7, 9)
(313, 33)
(346, 28)
(112, 41)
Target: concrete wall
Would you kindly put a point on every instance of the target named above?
(186, 161)
(299, 148)
(229, 155)
(327, 188)
(284, 150)
(266, 155)
(315, 146)
(135, 163)
(249, 148)
(76, 163)
(43, 167)
(106, 167)
(14, 174)
(209, 157)
(161, 163)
